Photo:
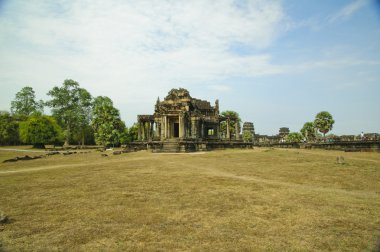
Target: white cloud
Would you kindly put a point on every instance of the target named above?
(333, 64)
(133, 50)
(219, 87)
(348, 10)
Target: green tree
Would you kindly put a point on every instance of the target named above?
(130, 134)
(71, 105)
(89, 135)
(324, 122)
(40, 130)
(82, 132)
(8, 129)
(294, 137)
(233, 118)
(247, 136)
(25, 103)
(248, 132)
(308, 131)
(106, 122)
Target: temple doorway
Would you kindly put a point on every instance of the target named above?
(176, 130)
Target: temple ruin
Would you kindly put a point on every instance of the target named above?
(183, 123)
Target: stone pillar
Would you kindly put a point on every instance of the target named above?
(157, 135)
(151, 130)
(218, 130)
(146, 131)
(159, 130)
(146, 128)
(193, 128)
(181, 126)
(203, 130)
(228, 128)
(163, 127)
(139, 131)
(142, 131)
(167, 134)
(187, 129)
(180, 122)
(237, 135)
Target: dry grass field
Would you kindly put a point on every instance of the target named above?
(239, 200)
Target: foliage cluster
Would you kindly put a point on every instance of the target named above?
(25, 103)
(40, 130)
(77, 118)
(248, 136)
(294, 137)
(106, 122)
(232, 118)
(322, 123)
(8, 129)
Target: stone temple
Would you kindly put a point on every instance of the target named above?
(181, 123)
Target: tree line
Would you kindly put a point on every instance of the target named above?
(76, 118)
(81, 119)
(322, 124)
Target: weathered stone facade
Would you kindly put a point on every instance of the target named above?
(183, 117)
(183, 123)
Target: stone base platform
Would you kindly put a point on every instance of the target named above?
(177, 145)
(348, 146)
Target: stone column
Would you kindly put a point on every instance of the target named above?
(157, 135)
(146, 131)
(147, 126)
(151, 130)
(139, 131)
(142, 131)
(228, 128)
(181, 126)
(159, 130)
(166, 127)
(180, 122)
(218, 130)
(203, 130)
(163, 127)
(192, 133)
(187, 129)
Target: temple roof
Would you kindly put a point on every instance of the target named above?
(180, 100)
(178, 94)
(201, 104)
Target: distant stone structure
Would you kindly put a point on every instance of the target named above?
(250, 129)
(265, 139)
(347, 143)
(279, 138)
(283, 132)
(186, 123)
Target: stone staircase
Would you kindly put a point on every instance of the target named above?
(170, 145)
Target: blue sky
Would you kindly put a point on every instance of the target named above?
(277, 63)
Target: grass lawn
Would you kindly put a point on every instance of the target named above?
(262, 199)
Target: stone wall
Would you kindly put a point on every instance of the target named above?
(343, 146)
(188, 146)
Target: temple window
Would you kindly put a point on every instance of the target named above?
(210, 131)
